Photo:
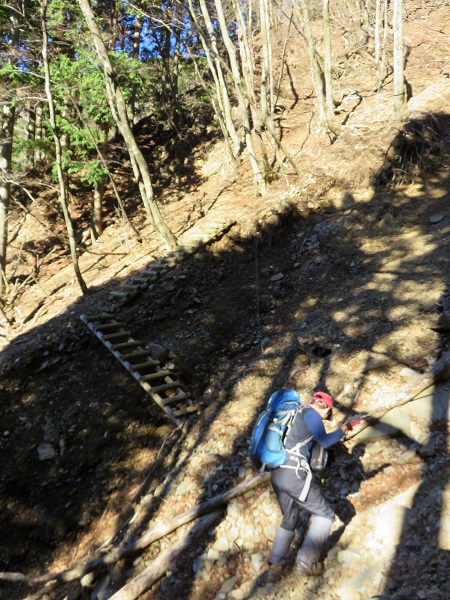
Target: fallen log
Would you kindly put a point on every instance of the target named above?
(440, 372)
(142, 542)
(144, 581)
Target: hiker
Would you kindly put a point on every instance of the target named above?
(290, 480)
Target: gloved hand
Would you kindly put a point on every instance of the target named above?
(353, 421)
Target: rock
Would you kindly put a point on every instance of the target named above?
(436, 218)
(212, 554)
(46, 452)
(409, 375)
(277, 277)
(228, 585)
(270, 531)
(386, 222)
(232, 535)
(87, 580)
(187, 486)
(257, 561)
(221, 544)
(85, 519)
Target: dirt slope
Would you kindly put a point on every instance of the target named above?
(333, 280)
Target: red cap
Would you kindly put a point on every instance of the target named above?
(323, 397)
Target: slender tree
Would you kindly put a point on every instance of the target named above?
(302, 21)
(58, 150)
(7, 117)
(329, 97)
(399, 78)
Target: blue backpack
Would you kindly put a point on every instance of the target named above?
(267, 441)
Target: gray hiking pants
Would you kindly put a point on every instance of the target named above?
(288, 487)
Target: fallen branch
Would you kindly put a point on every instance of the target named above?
(439, 372)
(144, 541)
(144, 581)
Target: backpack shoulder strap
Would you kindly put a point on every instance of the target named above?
(308, 436)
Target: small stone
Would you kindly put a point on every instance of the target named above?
(85, 519)
(221, 544)
(257, 561)
(277, 277)
(87, 580)
(436, 218)
(409, 375)
(46, 452)
(386, 221)
(228, 585)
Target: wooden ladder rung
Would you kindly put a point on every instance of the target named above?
(107, 326)
(119, 294)
(166, 386)
(154, 268)
(184, 411)
(129, 286)
(156, 375)
(100, 317)
(177, 398)
(127, 344)
(149, 363)
(113, 336)
(137, 354)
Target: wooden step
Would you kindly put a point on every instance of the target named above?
(165, 386)
(157, 375)
(118, 334)
(177, 398)
(144, 365)
(131, 344)
(137, 354)
(184, 411)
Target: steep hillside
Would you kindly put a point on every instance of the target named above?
(338, 279)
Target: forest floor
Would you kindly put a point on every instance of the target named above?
(335, 280)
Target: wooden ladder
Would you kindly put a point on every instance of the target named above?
(160, 384)
(195, 240)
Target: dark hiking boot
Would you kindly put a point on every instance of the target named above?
(275, 572)
(315, 569)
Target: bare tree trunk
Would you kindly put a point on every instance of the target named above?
(31, 132)
(6, 137)
(243, 109)
(7, 118)
(267, 67)
(213, 57)
(329, 99)
(136, 42)
(259, 117)
(38, 154)
(382, 67)
(144, 581)
(58, 152)
(119, 111)
(304, 26)
(399, 77)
